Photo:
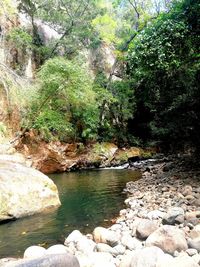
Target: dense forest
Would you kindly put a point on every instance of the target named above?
(148, 94)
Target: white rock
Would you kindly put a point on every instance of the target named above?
(28, 191)
(34, 252)
(168, 238)
(57, 249)
(73, 237)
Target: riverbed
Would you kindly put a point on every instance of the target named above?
(89, 198)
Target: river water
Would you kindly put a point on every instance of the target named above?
(89, 198)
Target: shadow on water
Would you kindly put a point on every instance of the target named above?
(89, 198)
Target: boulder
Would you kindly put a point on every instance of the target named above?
(101, 247)
(147, 257)
(180, 261)
(174, 216)
(130, 242)
(96, 259)
(56, 249)
(73, 237)
(24, 191)
(194, 243)
(85, 245)
(34, 252)
(195, 233)
(168, 238)
(145, 228)
(61, 260)
(103, 235)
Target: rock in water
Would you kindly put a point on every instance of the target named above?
(24, 191)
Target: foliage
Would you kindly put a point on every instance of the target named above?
(164, 64)
(3, 129)
(20, 37)
(106, 26)
(65, 106)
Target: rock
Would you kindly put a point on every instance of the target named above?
(168, 238)
(57, 249)
(186, 190)
(196, 258)
(195, 233)
(145, 228)
(191, 252)
(27, 192)
(174, 216)
(101, 259)
(180, 261)
(34, 252)
(194, 243)
(103, 235)
(130, 242)
(155, 214)
(85, 245)
(61, 260)
(147, 257)
(119, 249)
(15, 158)
(101, 247)
(73, 237)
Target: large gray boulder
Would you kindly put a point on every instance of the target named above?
(24, 191)
(168, 238)
(61, 260)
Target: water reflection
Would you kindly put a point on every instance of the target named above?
(88, 199)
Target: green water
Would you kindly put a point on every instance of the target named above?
(89, 199)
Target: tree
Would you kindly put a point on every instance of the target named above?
(164, 66)
(65, 105)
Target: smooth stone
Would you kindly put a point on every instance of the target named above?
(28, 191)
(196, 258)
(145, 228)
(102, 247)
(195, 233)
(146, 257)
(61, 260)
(101, 259)
(194, 243)
(130, 242)
(191, 252)
(103, 235)
(34, 252)
(57, 249)
(155, 214)
(73, 237)
(186, 190)
(174, 216)
(180, 261)
(85, 245)
(168, 238)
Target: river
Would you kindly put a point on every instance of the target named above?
(89, 198)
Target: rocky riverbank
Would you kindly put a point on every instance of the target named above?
(160, 226)
(56, 156)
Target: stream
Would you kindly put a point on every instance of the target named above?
(89, 198)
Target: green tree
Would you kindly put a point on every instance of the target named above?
(164, 65)
(65, 105)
